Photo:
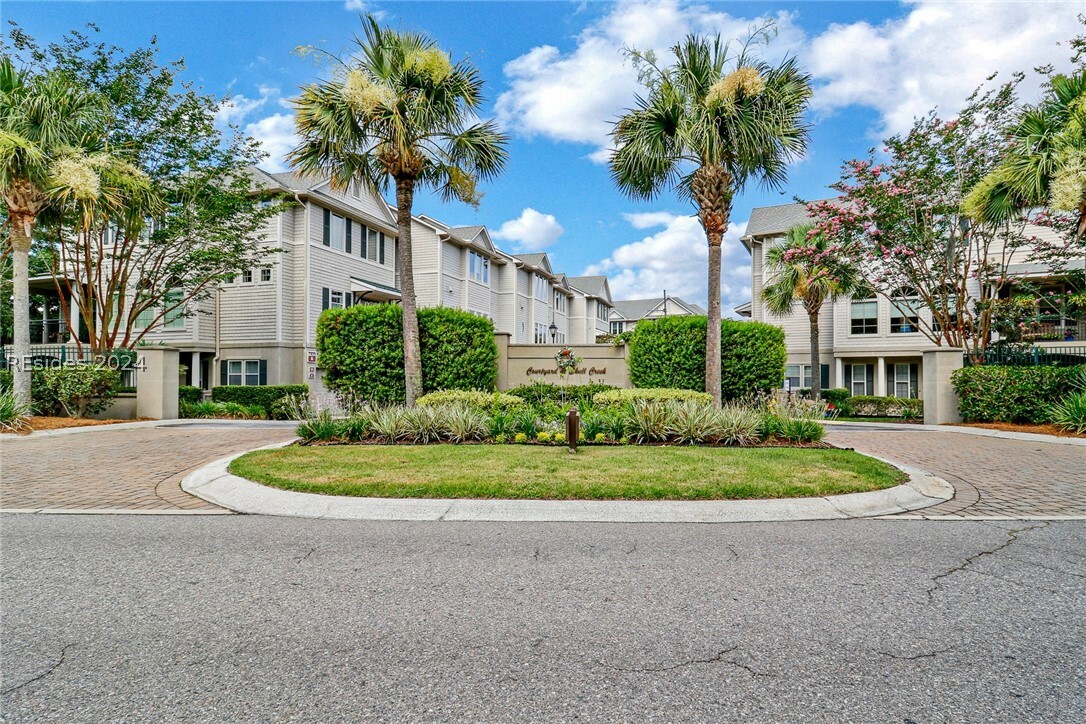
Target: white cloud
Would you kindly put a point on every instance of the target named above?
(675, 259)
(362, 6)
(531, 231)
(575, 96)
(936, 55)
(235, 108)
(276, 136)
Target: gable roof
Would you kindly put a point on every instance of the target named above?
(476, 236)
(593, 286)
(536, 261)
(634, 309)
(775, 219)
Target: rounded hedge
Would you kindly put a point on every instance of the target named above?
(612, 398)
(997, 393)
(670, 352)
(472, 398)
(360, 350)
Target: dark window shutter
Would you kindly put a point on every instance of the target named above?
(381, 253)
(347, 240)
(324, 298)
(848, 378)
(348, 299)
(824, 376)
(870, 369)
(327, 228)
(263, 371)
(914, 380)
(222, 373)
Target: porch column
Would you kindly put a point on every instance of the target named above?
(940, 400)
(73, 315)
(880, 377)
(157, 383)
(839, 372)
(194, 369)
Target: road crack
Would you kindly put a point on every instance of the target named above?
(56, 664)
(915, 657)
(1012, 537)
(716, 659)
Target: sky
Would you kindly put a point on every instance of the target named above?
(557, 78)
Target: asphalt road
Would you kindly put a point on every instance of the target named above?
(235, 618)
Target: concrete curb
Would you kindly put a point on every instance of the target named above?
(961, 430)
(111, 511)
(215, 484)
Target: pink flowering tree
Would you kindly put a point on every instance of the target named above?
(899, 219)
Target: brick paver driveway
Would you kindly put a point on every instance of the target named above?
(133, 469)
(992, 477)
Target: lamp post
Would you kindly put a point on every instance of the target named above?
(553, 329)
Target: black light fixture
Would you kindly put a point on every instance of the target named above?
(553, 329)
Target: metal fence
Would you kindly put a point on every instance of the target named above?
(1029, 356)
(57, 355)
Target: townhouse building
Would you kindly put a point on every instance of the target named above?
(870, 346)
(590, 313)
(626, 313)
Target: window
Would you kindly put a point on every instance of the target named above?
(243, 371)
(373, 242)
(560, 302)
(860, 379)
(229, 278)
(542, 288)
(478, 267)
(144, 318)
(617, 327)
(247, 276)
(602, 312)
(904, 313)
(865, 317)
(338, 233)
(265, 274)
(541, 333)
(174, 319)
(904, 380)
(798, 376)
(335, 300)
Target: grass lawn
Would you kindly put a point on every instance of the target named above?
(537, 472)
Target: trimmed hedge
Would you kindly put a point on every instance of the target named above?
(472, 398)
(74, 390)
(875, 406)
(539, 393)
(189, 394)
(670, 352)
(265, 397)
(997, 393)
(835, 396)
(361, 351)
(654, 394)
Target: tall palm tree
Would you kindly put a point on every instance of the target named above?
(45, 124)
(807, 269)
(399, 112)
(711, 122)
(1045, 164)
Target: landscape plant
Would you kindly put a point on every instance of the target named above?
(710, 123)
(399, 112)
(268, 398)
(75, 390)
(999, 393)
(13, 413)
(1070, 413)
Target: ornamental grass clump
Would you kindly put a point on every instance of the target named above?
(692, 423)
(647, 421)
(462, 423)
(13, 414)
(389, 424)
(321, 427)
(738, 425)
(1070, 413)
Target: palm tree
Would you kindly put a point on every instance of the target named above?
(46, 123)
(710, 124)
(1045, 164)
(809, 270)
(399, 112)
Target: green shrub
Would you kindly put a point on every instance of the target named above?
(322, 427)
(1070, 413)
(267, 397)
(189, 394)
(361, 351)
(835, 396)
(220, 410)
(13, 414)
(874, 406)
(670, 352)
(996, 393)
(661, 394)
(539, 393)
(795, 429)
(490, 401)
(74, 390)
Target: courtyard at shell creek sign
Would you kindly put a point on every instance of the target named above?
(553, 371)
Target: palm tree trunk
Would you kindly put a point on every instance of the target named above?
(816, 366)
(20, 231)
(712, 331)
(412, 350)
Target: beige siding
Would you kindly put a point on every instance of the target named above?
(479, 298)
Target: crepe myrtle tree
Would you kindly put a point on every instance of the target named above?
(808, 269)
(178, 214)
(398, 112)
(900, 219)
(710, 123)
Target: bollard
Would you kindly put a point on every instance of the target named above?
(573, 428)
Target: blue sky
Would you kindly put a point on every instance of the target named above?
(556, 76)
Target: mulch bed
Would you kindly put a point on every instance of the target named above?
(36, 423)
(1015, 427)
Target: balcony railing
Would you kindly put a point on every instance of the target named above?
(1062, 356)
(48, 331)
